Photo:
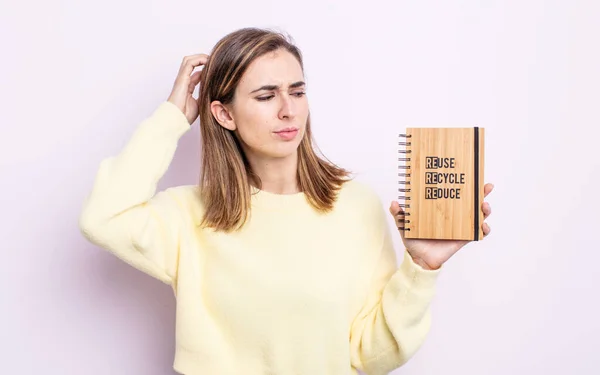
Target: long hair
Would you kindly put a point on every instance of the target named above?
(226, 175)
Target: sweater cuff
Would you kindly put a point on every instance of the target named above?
(417, 274)
(171, 118)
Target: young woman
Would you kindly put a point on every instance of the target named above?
(280, 262)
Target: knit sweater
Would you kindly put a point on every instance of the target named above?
(294, 292)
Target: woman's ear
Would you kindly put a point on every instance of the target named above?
(222, 115)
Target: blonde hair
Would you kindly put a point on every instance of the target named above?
(225, 179)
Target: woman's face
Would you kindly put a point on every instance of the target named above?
(270, 109)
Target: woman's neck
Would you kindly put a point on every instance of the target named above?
(277, 175)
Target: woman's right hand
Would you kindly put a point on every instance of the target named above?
(184, 86)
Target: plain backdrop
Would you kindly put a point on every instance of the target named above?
(78, 76)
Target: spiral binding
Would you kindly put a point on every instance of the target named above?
(404, 174)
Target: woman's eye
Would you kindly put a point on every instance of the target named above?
(264, 98)
(268, 97)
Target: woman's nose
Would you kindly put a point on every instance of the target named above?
(287, 109)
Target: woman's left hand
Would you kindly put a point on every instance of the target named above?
(431, 254)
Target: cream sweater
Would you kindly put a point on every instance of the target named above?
(292, 293)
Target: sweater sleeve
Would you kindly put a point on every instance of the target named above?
(123, 214)
(395, 319)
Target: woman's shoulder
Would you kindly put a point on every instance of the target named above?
(358, 191)
(360, 195)
(360, 202)
(189, 200)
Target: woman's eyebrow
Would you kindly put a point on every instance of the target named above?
(275, 87)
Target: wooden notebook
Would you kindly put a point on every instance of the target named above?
(442, 183)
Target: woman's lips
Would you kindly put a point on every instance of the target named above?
(287, 134)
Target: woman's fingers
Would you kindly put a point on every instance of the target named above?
(189, 63)
(185, 83)
(399, 217)
(487, 188)
(486, 229)
(487, 209)
(194, 81)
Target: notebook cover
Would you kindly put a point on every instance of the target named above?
(444, 183)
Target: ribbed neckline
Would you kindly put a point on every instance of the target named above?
(262, 198)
